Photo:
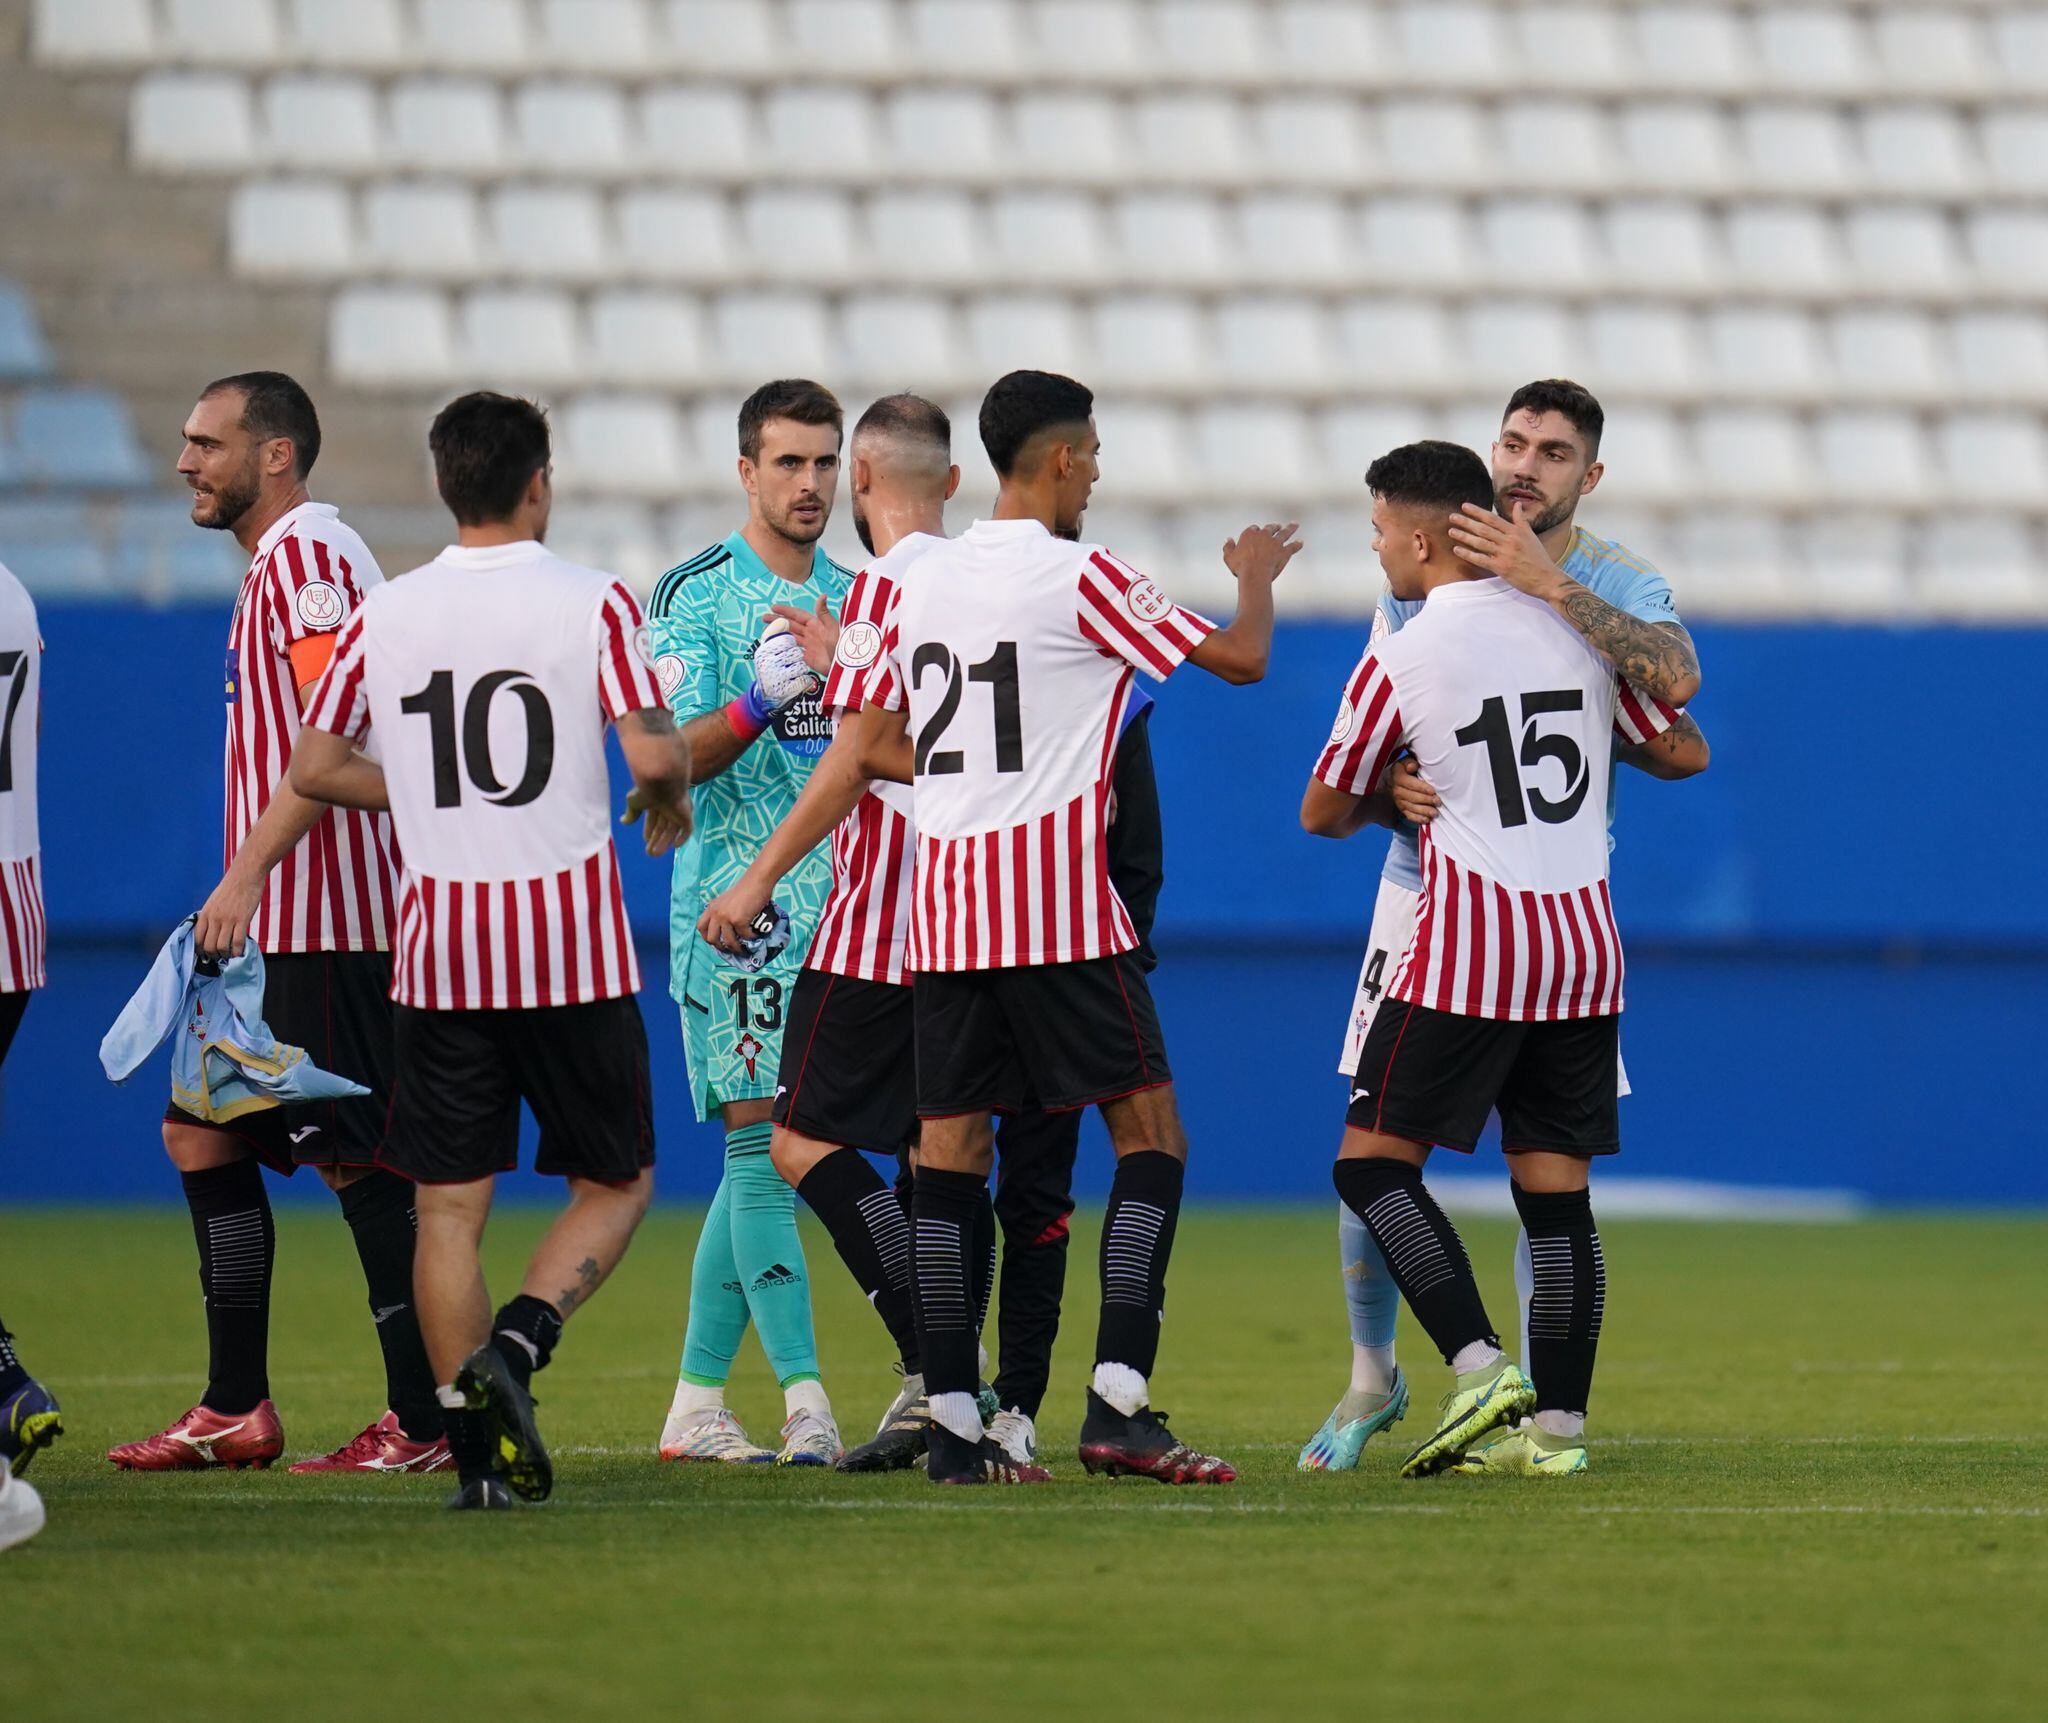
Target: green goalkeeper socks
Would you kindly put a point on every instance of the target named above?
(769, 1255)
(718, 1302)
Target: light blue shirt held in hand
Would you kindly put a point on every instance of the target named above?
(224, 1061)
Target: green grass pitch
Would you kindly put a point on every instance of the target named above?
(1816, 1493)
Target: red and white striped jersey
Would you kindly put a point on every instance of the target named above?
(1013, 651)
(334, 892)
(489, 677)
(864, 928)
(1511, 717)
(24, 932)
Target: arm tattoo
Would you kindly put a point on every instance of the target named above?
(1681, 734)
(1655, 656)
(587, 1277)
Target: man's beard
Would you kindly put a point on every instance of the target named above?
(795, 534)
(862, 530)
(1551, 518)
(231, 502)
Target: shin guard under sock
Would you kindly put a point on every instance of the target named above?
(523, 1333)
(237, 1239)
(1567, 1297)
(872, 1235)
(1424, 1253)
(379, 1210)
(944, 1207)
(1137, 1241)
(718, 1302)
(768, 1252)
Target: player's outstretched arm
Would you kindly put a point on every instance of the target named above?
(1681, 752)
(1240, 653)
(230, 908)
(882, 744)
(834, 789)
(658, 756)
(326, 768)
(1658, 657)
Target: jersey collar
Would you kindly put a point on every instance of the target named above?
(1466, 591)
(290, 521)
(749, 559)
(492, 555)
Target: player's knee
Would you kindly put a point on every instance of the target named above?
(793, 1155)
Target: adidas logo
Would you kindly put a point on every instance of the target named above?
(776, 1275)
(731, 1286)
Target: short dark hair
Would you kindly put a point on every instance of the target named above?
(487, 447)
(274, 405)
(1024, 404)
(1431, 475)
(796, 398)
(1561, 395)
(908, 415)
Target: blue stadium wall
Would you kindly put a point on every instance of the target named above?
(1838, 938)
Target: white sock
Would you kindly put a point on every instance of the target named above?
(694, 1397)
(806, 1396)
(1476, 1355)
(1372, 1369)
(450, 1397)
(1570, 1425)
(1122, 1387)
(960, 1413)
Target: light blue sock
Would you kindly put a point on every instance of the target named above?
(769, 1255)
(718, 1301)
(1374, 1302)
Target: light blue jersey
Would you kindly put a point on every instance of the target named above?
(1607, 570)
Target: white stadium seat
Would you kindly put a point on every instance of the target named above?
(1387, 343)
(421, 228)
(1886, 352)
(621, 445)
(1411, 239)
(1667, 242)
(942, 134)
(1988, 565)
(2016, 149)
(2019, 47)
(401, 336)
(1299, 237)
(1070, 133)
(646, 338)
(2000, 353)
(1308, 139)
(1150, 339)
(1930, 47)
(1646, 458)
(819, 131)
(366, 34)
(719, 36)
(1732, 560)
(899, 340)
(1169, 236)
(1510, 341)
(1872, 456)
(925, 236)
(966, 36)
(1854, 566)
(327, 121)
(1209, 39)
(1762, 350)
(1566, 141)
(1536, 238)
(1694, 46)
(473, 35)
(1104, 35)
(797, 232)
(699, 130)
(615, 36)
(1048, 236)
(1356, 435)
(1901, 246)
(1570, 44)
(1795, 145)
(1811, 48)
(1144, 451)
(576, 128)
(1780, 245)
(200, 121)
(1011, 331)
(670, 235)
(853, 37)
(1254, 450)
(771, 335)
(2010, 246)
(1752, 452)
(291, 228)
(1994, 457)
(1923, 149)
(447, 125)
(220, 32)
(1431, 35)
(94, 32)
(1651, 346)
(1431, 139)
(1331, 38)
(525, 334)
(1192, 136)
(1679, 145)
(553, 231)
(1272, 342)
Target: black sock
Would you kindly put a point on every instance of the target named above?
(943, 1218)
(237, 1247)
(524, 1332)
(981, 1261)
(1424, 1253)
(1137, 1239)
(872, 1235)
(379, 1210)
(469, 1442)
(1569, 1295)
(12, 1375)
(1034, 1198)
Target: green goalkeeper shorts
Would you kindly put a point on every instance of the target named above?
(733, 1021)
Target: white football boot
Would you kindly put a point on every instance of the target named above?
(710, 1433)
(21, 1510)
(810, 1439)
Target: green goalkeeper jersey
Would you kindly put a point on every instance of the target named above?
(704, 622)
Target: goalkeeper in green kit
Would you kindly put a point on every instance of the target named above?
(748, 704)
